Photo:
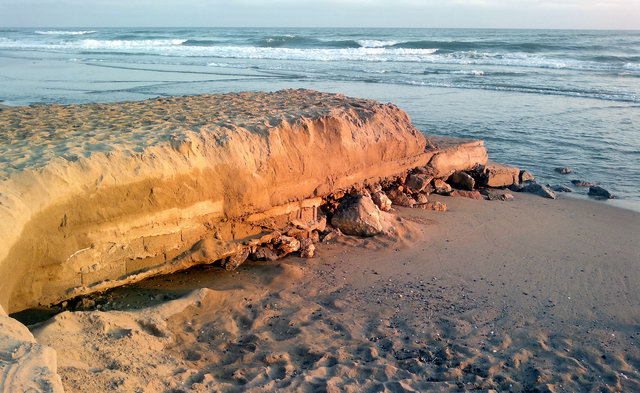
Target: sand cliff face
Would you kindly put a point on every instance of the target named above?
(144, 182)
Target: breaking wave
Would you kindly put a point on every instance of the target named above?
(65, 32)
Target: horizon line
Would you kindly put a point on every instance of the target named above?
(319, 27)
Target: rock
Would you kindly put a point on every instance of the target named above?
(264, 253)
(401, 199)
(441, 187)
(374, 187)
(307, 248)
(563, 171)
(456, 158)
(516, 187)
(381, 200)
(358, 216)
(236, 260)
(428, 189)
(582, 183)
(507, 197)
(498, 175)
(599, 192)
(468, 194)
(436, 206)
(85, 304)
(417, 182)
(316, 225)
(560, 188)
(539, 189)
(288, 244)
(495, 195)
(462, 180)
(331, 235)
(421, 198)
(424, 171)
(526, 176)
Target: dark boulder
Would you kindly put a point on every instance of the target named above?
(599, 192)
(539, 189)
(417, 182)
(462, 180)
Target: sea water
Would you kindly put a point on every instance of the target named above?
(539, 98)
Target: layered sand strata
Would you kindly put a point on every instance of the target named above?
(94, 196)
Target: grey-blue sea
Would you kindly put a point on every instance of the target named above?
(539, 98)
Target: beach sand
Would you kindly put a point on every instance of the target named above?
(533, 295)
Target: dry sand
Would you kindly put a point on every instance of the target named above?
(34, 136)
(532, 295)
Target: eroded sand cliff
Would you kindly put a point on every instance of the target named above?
(93, 196)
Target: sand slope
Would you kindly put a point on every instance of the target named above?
(525, 296)
(25, 365)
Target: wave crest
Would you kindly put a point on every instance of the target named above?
(296, 41)
(65, 32)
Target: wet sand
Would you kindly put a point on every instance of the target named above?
(533, 295)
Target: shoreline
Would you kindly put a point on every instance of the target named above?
(618, 203)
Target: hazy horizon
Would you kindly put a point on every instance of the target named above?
(496, 14)
(308, 27)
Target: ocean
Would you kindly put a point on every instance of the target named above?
(539, 98)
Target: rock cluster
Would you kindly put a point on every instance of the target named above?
(360, 210)
(594, 190)
(298, 238)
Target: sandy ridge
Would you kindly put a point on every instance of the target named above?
(264, 150)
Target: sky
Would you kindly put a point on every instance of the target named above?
(559, 14)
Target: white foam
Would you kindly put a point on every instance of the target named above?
(128, 44)
(65, 32)
(632, 67)
(375, 43)
(469, 72)
(174, 47)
